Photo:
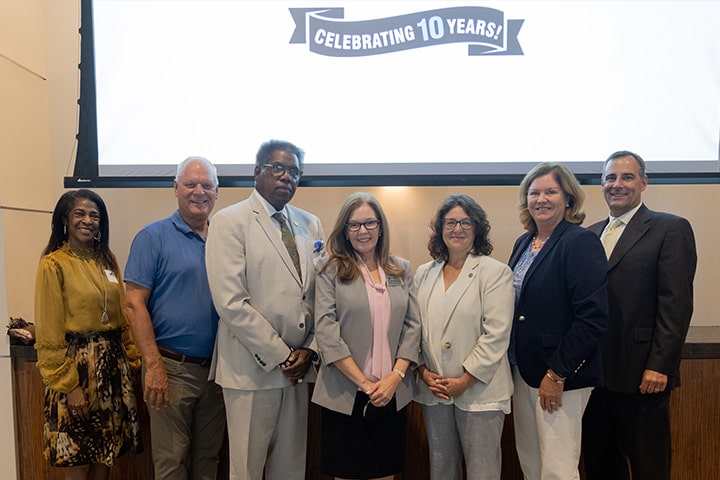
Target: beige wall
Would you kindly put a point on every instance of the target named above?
(37, 134)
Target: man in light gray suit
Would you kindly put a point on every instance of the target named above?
(260, 255)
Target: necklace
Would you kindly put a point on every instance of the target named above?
(537, 243)
(103, 299)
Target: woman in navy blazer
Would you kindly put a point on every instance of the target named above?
(561, 311)
(367, 329)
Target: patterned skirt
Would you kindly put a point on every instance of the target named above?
(112, 428)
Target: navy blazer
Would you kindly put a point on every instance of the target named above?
(650, 281)
(562, 311)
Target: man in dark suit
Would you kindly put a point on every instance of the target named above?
(651, 266)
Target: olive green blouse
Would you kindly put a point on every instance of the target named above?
(70, 295)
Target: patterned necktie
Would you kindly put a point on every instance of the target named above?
(609, 236)
(289, 241)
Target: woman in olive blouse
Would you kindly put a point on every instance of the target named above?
(85, 352)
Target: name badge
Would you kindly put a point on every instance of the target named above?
(394, 282)
(111, 276)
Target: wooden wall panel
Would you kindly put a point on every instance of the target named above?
(695, 421)
(29, 392)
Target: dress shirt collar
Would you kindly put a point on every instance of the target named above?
(627, 216)
(269, 208)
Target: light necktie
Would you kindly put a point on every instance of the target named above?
(610, 235)
(289, 241)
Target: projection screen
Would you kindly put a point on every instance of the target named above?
(397, 92)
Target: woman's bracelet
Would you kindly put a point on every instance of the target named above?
(552, 377)
(399, 372)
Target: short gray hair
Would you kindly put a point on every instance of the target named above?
(184, 164)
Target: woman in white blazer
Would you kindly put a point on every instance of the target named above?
(368, 334)
(466, 308)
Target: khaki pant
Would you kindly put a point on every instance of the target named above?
(187, 435)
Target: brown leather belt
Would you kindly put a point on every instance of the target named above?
(203, 362)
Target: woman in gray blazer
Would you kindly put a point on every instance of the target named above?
(466, 307)
(367, 329)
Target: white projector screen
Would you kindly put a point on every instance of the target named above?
(405, 92)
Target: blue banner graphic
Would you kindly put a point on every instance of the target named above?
(485, 30)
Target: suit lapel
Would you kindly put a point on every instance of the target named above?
(635, 229)
(543, 253)
(272, 232)
(598, 228)
(456, 291)
(427, 286)
(359, 292)
(523, 243)
(301, 232)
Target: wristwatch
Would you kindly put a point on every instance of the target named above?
(315, 358)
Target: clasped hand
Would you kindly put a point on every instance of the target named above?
(447, 387)
(298, 364)
(382, 391)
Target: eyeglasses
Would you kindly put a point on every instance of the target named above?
(450, 224)
(277, 170)
(369, 225)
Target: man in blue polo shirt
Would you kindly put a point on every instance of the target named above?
(174, 323)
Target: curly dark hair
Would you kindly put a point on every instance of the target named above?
(481, 243)
(61, 213)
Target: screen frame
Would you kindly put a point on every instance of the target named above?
(87, 172)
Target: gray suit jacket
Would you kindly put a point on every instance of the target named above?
(264, 308)
(475, 332)
(343, 328)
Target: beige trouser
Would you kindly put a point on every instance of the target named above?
(187, 435)
(548, 444)
(267, 430)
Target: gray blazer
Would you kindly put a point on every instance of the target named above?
(475, 332)
(343, 328)
(264, 308)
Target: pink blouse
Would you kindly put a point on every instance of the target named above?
(379, 361)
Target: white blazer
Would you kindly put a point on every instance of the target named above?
(475, 332)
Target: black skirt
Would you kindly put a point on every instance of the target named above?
(369, 443)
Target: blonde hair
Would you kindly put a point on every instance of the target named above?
(568, 184)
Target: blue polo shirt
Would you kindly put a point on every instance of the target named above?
(168, 258)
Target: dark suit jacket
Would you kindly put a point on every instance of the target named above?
(650, 278)
(562, 310)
